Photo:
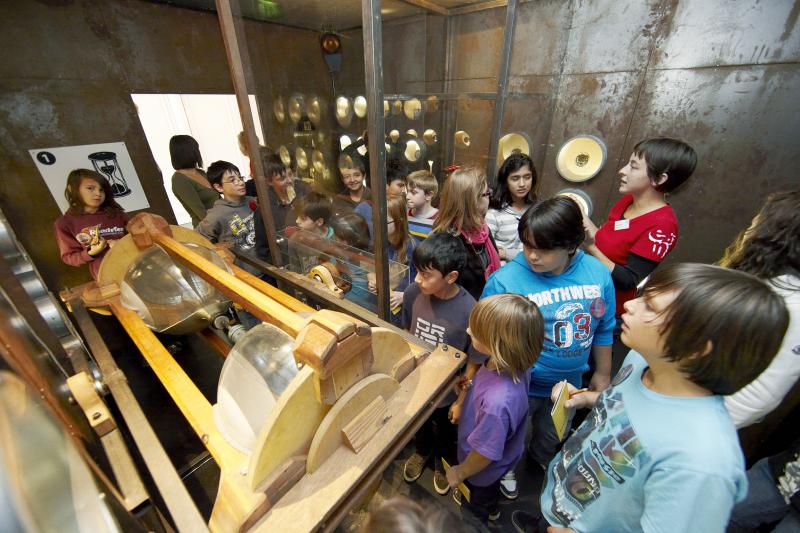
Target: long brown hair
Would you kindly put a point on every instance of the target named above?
(770, 246)
(458, 207)
(398, 211)
(73, 195)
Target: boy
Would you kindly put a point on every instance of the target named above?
(576, 296)
(282, 192)
(231, 219)
(396, 176)
(314, 214)
(422, 189)
(436, 309)
(659, 451)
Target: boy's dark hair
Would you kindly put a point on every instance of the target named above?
(352, 229)
(553, 223)
(396, 169)
(667, 156)
(217, 169)
(315, 205)
(184, 152)
(742, 317)
(73, 195)
(273, 166)
(440, 251)
(514, 162)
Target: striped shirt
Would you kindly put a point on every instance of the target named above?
(503, 225)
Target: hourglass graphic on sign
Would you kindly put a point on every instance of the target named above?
(106, 163)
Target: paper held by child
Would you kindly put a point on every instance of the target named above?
(462, 487)
(560, 412)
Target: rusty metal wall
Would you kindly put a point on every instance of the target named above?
(721, 75)
(66, 79)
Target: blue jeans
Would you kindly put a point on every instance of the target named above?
(763, 504)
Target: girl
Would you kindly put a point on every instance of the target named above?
(491, 430)
(770, 249)
(641, 228)
(93, 221)
(465, 200)
(401, 246)
(517, 185)
(189, 183)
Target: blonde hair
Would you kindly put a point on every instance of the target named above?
(511, 327)
(458, 207)
(397, 211)
(424, 180)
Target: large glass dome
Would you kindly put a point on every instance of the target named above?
(168, 296)
(257, 371)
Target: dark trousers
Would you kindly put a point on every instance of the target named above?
(483, 500)
(438, 437)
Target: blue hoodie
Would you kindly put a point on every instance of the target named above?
(578, 309)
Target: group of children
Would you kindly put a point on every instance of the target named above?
(537, 313)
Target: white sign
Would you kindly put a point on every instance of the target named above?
(110, 159)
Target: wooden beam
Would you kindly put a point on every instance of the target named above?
(260, 305)
(474, 8)
(179, 504)
(273, 292)
(428, 6)
(194, 406)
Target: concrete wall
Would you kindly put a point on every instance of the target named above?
(717, 74)
(66, 77)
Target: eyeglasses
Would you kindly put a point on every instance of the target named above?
(486, 194)
(233, 179)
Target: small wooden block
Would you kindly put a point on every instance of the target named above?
(313, 344)
(352, 347)
(404, 367)
(339, 324)
(143, 226)
(109, 290)
(361, 429)
(93, 407)
(330, 389)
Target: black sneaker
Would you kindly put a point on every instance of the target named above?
(414, 467)
(493, 515)
(524, 522)
(508, 485)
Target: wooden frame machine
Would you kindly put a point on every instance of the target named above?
(359, 397)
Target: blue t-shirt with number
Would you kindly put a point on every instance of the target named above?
(644, 461)
(578, 310)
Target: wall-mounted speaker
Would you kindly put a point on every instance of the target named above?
(581, 198)
(581, 158)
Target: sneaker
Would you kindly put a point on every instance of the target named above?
(440, 484)
(414, 467)
(508, 485)
(493, 515)
(524, 522)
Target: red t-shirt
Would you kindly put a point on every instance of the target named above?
(652, 236)
(77, 235)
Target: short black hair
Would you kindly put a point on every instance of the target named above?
(184, 152)
(315, 205)
(440, 251)
(667, 156)
(217, 169)
(512, 163)
(273, 165)
(554, 223)
(396, 169)
(352, 229)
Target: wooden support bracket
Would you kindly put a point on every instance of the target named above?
(143, 228)
(363, 427)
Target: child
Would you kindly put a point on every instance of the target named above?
(353, 172)
(422, 189)
(396, 174)
(351, 229)
(576, 297)
(465, 199)
(314, 213)
(401, 246)
(517, 183)
(491, 434)
(436, 309)
(659, 451)
(231, 218)
(93, 221)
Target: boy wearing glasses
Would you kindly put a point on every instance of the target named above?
(230, 220)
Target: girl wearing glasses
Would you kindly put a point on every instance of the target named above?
(464, 203)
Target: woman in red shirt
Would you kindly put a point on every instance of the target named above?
(641, 228)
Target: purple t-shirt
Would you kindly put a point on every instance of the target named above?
(493, 422)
